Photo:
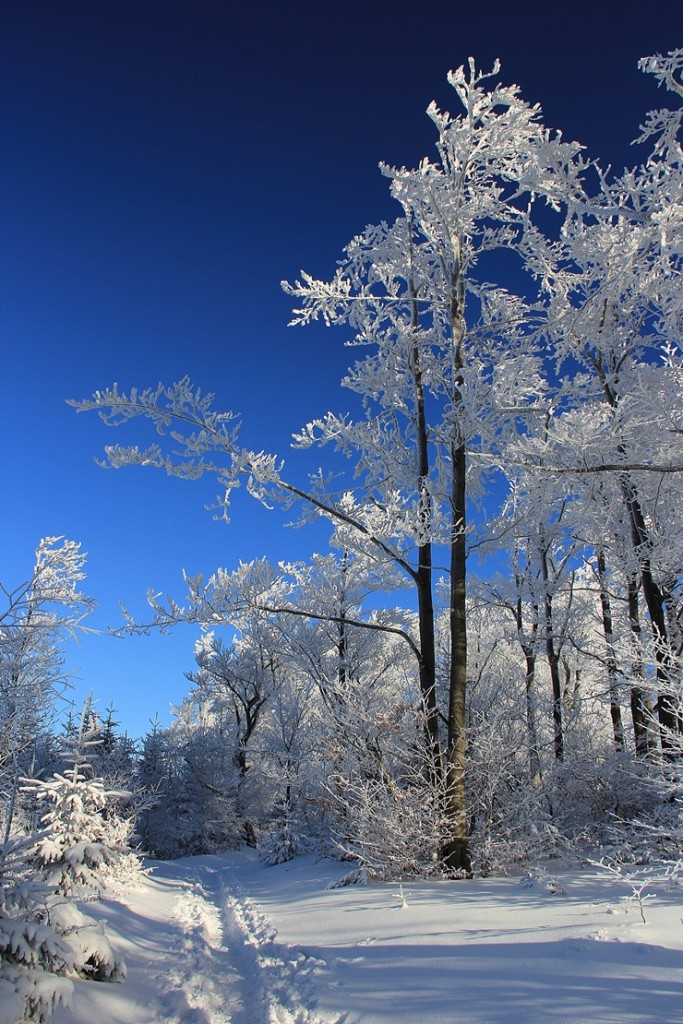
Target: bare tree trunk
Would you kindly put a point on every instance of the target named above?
(535, 773)
(456, 853)
(612, 670)
(552, 654)
(529, 651)
(667, 711)
(425, 599)
(641, 705)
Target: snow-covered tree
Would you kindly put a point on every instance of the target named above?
(45, 938)
(38, 617)
(159, 771)
(410, 290)
(615, 330)
(75, 849)
(574, 376)
(34, 957)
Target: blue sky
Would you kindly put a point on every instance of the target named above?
(164, 166)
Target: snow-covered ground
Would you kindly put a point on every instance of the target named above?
(224, 940)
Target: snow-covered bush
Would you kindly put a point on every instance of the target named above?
(91, 954)
(391, 827)
(34, 957)
(647, 829)
(44, 940)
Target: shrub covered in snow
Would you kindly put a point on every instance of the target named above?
(33, 955)
(44, 936)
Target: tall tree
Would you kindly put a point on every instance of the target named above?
(452, 371)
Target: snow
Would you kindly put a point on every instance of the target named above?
(224, 940)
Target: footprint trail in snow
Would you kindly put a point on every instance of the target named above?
(230, 968)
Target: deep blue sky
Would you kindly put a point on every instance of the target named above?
(164, 165)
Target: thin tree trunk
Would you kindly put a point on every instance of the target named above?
(641, 705)
(342, 639)
(612, 670)
(553, 655)
(535, 773)
(667, 711)
(529, 651)
(675, 634)
(425, 599)
(456, 853)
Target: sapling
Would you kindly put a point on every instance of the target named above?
(402, 898)
(638, 882)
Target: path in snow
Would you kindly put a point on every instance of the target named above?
(198, 952)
